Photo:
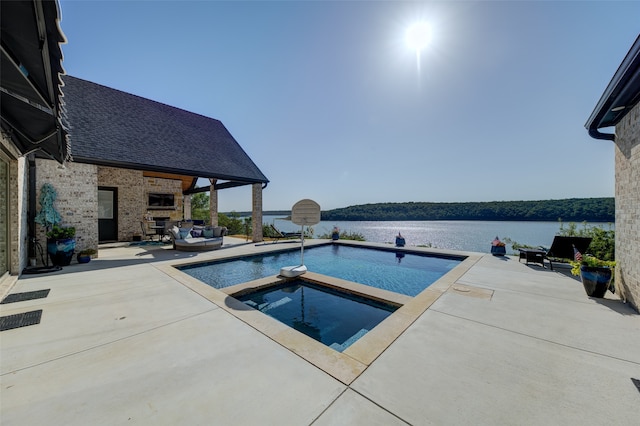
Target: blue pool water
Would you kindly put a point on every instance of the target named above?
(407, 274)
(332, 317)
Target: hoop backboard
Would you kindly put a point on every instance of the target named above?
(305, 212)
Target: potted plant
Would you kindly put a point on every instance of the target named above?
(498, 248)
(335, 233)
(60, 240)
(61, 244)
(84, 256)
(595, 274)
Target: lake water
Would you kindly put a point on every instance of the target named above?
(465, 235)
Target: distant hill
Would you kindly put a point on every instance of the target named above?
(568, 210)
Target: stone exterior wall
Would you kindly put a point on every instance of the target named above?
(13, 203)
(256, 216)
(164, 186)
(130, 185)
(76, 185)
(133, 189)
(627, 158)
(21, 200)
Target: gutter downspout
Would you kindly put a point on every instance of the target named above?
(31, 209)
(596, 134)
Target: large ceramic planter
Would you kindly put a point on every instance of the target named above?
(498, 250)
(595, 280)
(61, 251)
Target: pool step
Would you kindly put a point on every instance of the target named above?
(350, 341)
(263, 307)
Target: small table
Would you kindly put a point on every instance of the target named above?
(533, 256)
(159, 231)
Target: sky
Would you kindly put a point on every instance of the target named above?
(332, 104)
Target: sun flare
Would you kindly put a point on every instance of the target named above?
(418, 35)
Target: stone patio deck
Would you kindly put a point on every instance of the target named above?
(122, 340)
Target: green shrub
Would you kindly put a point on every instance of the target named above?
(603, 241)
(61, 232)
(344, 235)
(233, 223)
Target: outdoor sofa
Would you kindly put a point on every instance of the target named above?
(197, 238)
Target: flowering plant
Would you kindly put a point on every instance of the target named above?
(590, 261)
(497, 243)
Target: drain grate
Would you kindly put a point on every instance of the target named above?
(30, 295)
(20, 320)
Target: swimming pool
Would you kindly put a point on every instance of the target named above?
(402, 272)
(335, 318)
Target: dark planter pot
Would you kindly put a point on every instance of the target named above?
(595, 280)
(498, 250)
(61, 251)
(83, 258)
(335, 236)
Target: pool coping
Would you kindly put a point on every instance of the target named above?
(348, 365)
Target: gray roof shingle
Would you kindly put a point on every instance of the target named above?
(115, 128)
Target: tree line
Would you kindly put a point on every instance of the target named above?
(567, 210)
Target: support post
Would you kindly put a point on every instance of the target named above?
(256, 212)
(186, 209)
(213, 202)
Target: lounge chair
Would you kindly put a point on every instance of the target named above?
(561, 248)
(277, 234)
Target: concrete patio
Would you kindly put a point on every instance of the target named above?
(122, 341)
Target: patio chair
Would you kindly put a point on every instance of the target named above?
(561, 248)
(147, 233)
(278, 234)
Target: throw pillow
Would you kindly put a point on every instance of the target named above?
(184, 233)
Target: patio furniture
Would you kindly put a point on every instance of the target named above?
(198, 238)
(277, 234)
(147, 231)
(561, 248)
(533, 256)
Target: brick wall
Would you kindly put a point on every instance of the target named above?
(164, 186)
(133, 189)
(256, 217)
(13, 230)
(20, 200)
(10, 232)
(130, 185)
(627, 158)
(77, 201)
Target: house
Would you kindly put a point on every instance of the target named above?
(134, 157)
(112, 157)
(619, 106)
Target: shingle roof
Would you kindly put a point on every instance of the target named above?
(114, 128)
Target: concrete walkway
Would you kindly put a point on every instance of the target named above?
(123, 342)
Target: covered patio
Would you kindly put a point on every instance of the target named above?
(136, 162)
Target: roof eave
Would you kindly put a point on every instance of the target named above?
(176, 171)
(620, 96)
(46, 67)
